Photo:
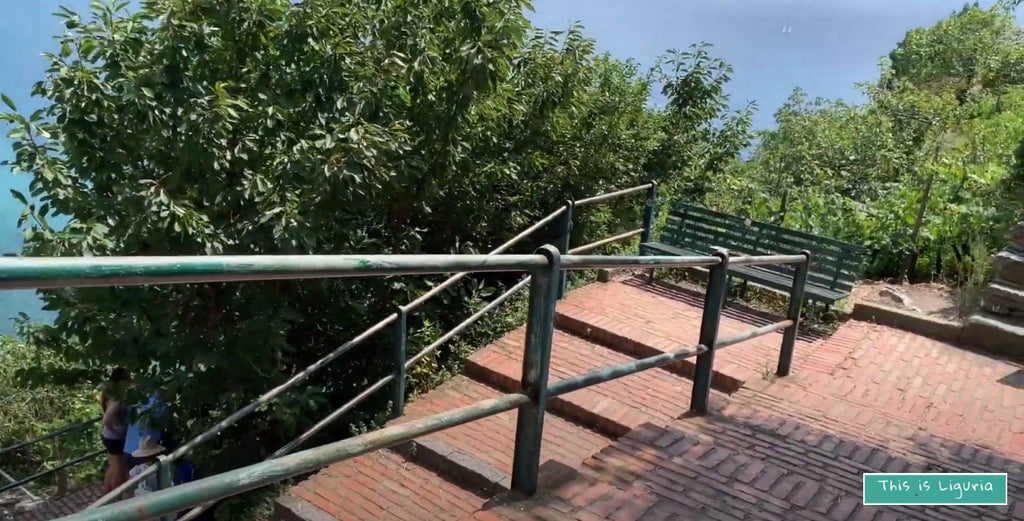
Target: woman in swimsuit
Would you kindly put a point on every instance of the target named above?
(115, 426)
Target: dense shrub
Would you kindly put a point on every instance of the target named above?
(274, 127)
(943, 125)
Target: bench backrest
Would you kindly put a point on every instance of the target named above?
(835, 264)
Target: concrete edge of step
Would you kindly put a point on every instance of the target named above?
(291, 508)
(978, 333)
(934, 328)
(455, 465)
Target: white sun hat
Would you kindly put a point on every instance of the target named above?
(148, 447)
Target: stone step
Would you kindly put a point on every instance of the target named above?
(1008, 265)
(613, 408)
(1004, 298)
(1016, 237)
(996, 333)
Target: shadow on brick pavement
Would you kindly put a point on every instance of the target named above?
(751, 467)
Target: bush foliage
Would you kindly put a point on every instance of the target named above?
(942, 129)
(191, 127)
(28, 412)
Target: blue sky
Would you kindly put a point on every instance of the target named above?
(833, 45)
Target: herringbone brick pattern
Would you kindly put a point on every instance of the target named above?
(866, 399)
(894, 375)
(746, 464)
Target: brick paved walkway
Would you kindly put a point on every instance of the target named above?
(866, 398)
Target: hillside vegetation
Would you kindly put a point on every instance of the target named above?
(927, 173)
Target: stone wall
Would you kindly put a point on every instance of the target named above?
(1004, 295)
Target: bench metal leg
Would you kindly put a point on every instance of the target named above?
(728, 289)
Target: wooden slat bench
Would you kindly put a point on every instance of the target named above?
(693, 230)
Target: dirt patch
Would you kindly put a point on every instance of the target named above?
(929, 299)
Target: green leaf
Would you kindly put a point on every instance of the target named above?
(18, 196)
(7, 101)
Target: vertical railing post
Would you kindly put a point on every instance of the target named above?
(713, 300)
(165, 479)
(563, 244)
(796, 302)
(645, 235)
(652, 202)
(399, 355)
(536, 359)
(62, 475)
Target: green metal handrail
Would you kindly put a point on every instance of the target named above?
(53, 434)
(63, 465)
(545, 268)
(397, 378)
(318, 266)
(13, 483)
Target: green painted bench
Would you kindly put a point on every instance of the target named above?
(693, 230)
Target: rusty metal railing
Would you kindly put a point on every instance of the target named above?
(544, 267)
(547, 269)
(12, 482)
(399, 320)
(49, 276)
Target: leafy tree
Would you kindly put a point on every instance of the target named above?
(272, 127)
(972, 50)
(30, 411)
(698, 135)
(920, 172)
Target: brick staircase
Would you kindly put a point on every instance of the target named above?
(473, 462)
(627, 449)
(50, 508)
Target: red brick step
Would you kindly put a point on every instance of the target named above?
(744, 465)
(643, 320)
(466, 463)
(614, 408)
(377, 486)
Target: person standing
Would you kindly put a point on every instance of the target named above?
(114, 428)
(147, 454)
(148, 420)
